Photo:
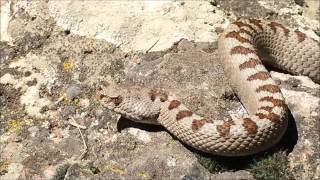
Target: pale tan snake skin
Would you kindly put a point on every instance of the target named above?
(238, 49)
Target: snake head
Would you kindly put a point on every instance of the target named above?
(132, 102)
(110, 96)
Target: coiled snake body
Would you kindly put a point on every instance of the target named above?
(238, 49)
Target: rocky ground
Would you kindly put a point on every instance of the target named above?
(54, 54)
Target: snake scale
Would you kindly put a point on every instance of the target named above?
(242, 48)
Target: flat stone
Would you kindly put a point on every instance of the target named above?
(238, 175)
(303, 100)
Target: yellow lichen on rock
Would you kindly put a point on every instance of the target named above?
(14, 125)
(144, 175)
(115, 169)
(68, 65)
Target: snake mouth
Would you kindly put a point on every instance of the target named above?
(99, 94)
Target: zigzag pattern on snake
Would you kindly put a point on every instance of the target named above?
(238, 49)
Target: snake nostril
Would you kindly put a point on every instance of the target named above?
(99, 96)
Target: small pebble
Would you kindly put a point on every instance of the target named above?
(73, 91)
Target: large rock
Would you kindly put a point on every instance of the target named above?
(238, 175)
(140, 25)
(303, 99)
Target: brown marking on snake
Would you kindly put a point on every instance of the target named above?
(183, 114)
(271, 116)
(174, 104)
(250, 126)
(242, 24)
(154, 94)
(262, 75)
(256, 22)
(274, 25)
(275, 102)
(266, 108)
(241, 50)
(301, 36)
(236, 35)
(269, 88)
(197, 124)
(252, 63)
(224, 129)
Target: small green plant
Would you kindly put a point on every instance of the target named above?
(93, 169)
(210, 163)
(317, 31)
(61, 172)
(272, 167)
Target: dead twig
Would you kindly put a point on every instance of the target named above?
(152, 46)
(79, 127)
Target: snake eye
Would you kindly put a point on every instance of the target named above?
(117, 100)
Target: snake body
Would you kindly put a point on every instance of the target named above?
(242, 48)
